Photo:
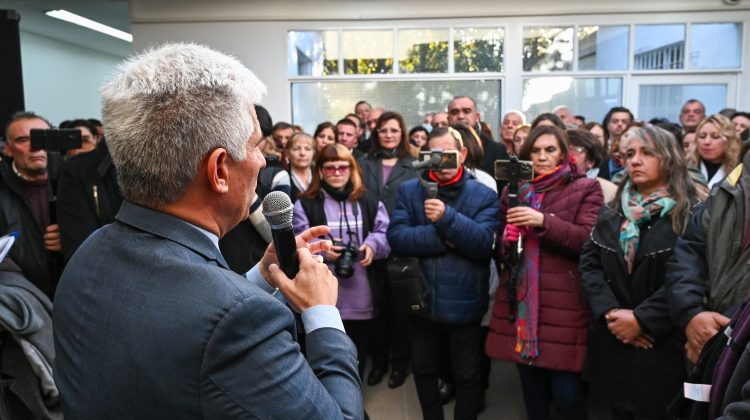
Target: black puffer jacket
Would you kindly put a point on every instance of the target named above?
(40, 266)
(635, 380)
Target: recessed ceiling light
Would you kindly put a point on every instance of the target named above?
(88, 23)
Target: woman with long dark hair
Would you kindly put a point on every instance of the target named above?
(325, 134)
(635, 351)
(384, 168)
(540, 318)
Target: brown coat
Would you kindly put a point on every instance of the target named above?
(570, 211)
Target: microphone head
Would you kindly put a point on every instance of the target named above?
(278, 209)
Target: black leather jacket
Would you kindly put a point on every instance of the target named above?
(40, 266)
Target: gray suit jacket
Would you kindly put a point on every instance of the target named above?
(150, 323)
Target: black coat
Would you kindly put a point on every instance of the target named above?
(492, 151)
(88, 196)
(636, 380)
(39, 266)
(372, 176)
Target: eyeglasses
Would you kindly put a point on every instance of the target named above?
(389, 131)
(331, 170)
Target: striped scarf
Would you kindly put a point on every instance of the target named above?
(527, 295)
(638, 210)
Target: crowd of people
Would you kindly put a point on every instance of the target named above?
(611, 267)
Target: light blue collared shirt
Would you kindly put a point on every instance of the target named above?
(320, 316)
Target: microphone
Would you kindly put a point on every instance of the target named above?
(279, 211)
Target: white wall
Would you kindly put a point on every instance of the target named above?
(261, 46)
(61, 81)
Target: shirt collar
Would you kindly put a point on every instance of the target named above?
(214, 239)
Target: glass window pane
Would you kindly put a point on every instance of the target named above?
(603, 47)
(478, 50)
(315, 102)
(423, 50)
(704, 39)
(367, 52)
(659, 47)
(665, 101)
(590, 97)
(312, 53)
(547, 48)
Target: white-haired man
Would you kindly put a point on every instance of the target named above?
(565, 114)
(149, 321)
(511, 121)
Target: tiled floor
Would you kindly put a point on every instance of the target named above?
(504, 401)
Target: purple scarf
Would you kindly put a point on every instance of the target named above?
(527, 294)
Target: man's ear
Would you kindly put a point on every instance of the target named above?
(463, 153)
(479, 117)
(217, 170)
(7, 150)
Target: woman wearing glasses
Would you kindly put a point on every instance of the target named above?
(384, 168)
(717, 148)
(358, 222)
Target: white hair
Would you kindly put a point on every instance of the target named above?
(517, 112)
(170, 106)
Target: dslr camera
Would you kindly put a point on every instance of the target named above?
(345, 265)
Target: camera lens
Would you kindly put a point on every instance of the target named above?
(345, 264)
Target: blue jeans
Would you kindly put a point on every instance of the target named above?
(540, 386)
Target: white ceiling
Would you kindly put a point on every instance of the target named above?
(113, 13)
(150, 11)
(120, 13)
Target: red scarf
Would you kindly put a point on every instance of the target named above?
(453, 180)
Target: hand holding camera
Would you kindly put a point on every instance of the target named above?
(344, 254)
(434, 209)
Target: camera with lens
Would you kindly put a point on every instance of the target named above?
(345, 264)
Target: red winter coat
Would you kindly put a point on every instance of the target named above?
(570, 211)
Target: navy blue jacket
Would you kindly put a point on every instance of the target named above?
(454, 252)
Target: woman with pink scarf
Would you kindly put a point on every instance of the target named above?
(540, 316)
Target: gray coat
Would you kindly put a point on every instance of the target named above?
(708, 269)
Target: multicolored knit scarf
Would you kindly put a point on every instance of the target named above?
(638, 210)
(527, 295)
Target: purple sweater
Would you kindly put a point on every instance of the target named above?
(355, 297)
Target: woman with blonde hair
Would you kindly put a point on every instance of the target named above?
(717, 148)
(300, 151)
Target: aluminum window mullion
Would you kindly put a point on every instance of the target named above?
(341, 51)
(451, 52)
